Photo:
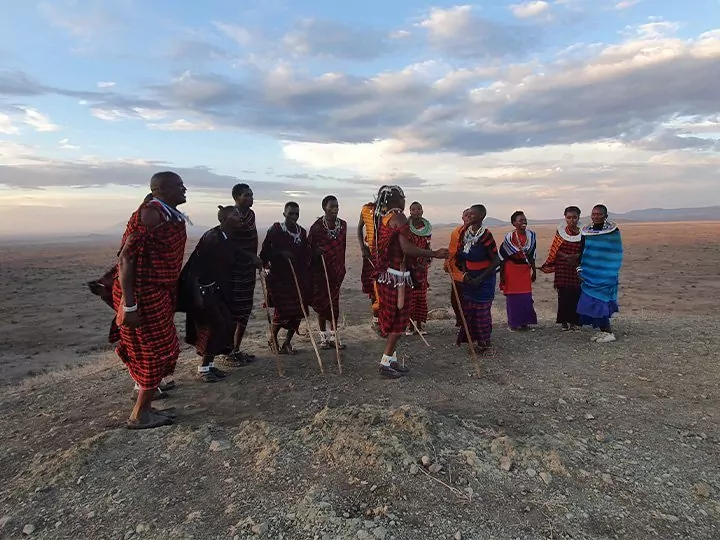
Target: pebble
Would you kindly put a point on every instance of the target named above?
(589, 416)
(531, 473)
(380, 533)
(414, 469)
(28, 530)
(506, 463)
(458, 535)
(546, 477)
(218, 446)
(426, 461)
(363, 535)
(373, 488)
(260, 529)
(607, 478)
(702, 490)
(561, 401)
(435, 468)
(129, 535)
(140, 528)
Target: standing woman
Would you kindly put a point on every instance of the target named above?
(420, 235)
(563, 260)
(518, 273)
(328, 241)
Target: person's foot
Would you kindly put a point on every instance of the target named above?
(170, 412)
(219, 373)
(606, 337)
(239, 358)
(483, 345)
(148, 420)
(389, 373)
(597, 336)
(398, 367)
(159, 394)
(167, 385)
(409, 332)
(287, 349)
(565, 327)
(207, 377)
(324, 341)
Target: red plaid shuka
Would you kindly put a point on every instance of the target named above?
(418, 296)
(282, 291)
(390, 256)
(566, 276)
(150, 351)
(334, 254)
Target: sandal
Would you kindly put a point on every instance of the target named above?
(159, 394)
(287, 349)
(152, 421)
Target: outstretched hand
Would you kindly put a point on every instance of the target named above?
(442, 253)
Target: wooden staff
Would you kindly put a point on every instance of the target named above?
(273, 344)
(332, 313)
(307, 319)
(465, 326)
(417, 330)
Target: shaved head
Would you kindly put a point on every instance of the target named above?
(168, 187)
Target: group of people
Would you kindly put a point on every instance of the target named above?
(302, 270)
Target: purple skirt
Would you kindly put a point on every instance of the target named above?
(520, 310)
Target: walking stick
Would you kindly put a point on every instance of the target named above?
(273, 344)
(465, 326)
(307, 319)
(332, 313)
(417, 330)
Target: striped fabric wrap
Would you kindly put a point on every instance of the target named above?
(514, 246)
(601, 262)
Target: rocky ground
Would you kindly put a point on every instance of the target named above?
(558, 438)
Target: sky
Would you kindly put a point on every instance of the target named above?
(516, 105)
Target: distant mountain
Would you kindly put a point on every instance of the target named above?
(707, 213)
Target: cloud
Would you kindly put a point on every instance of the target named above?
(6, 125)
(625, 4)
(65, 145)
(183, 125)
(241, 35)
(530, 9)
(459, 32)
(330, 39)
(39, 121)
(83, 20)
(105, 84)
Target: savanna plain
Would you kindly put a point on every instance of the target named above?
(557, 438)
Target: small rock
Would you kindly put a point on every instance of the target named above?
(458, 535)
(589, 416)
(435, 468)
(140, 528)
(91, 515)
(531, 472)
(129, 535)
(28, 530)
(346, 515)
(4, 521)
(670, 518)
(260, 529)
(426, 461)
(414, 469)
(607, 478)
(363, 535)
(546, 477)
(506, 463)
(702, 490)
(218, 446)
(373, 488)
(380, 533)
(561, 401)
(600, 437)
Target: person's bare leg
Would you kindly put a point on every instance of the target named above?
(142, 414)
(391, 344)
(288, 339)
(275, 332)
